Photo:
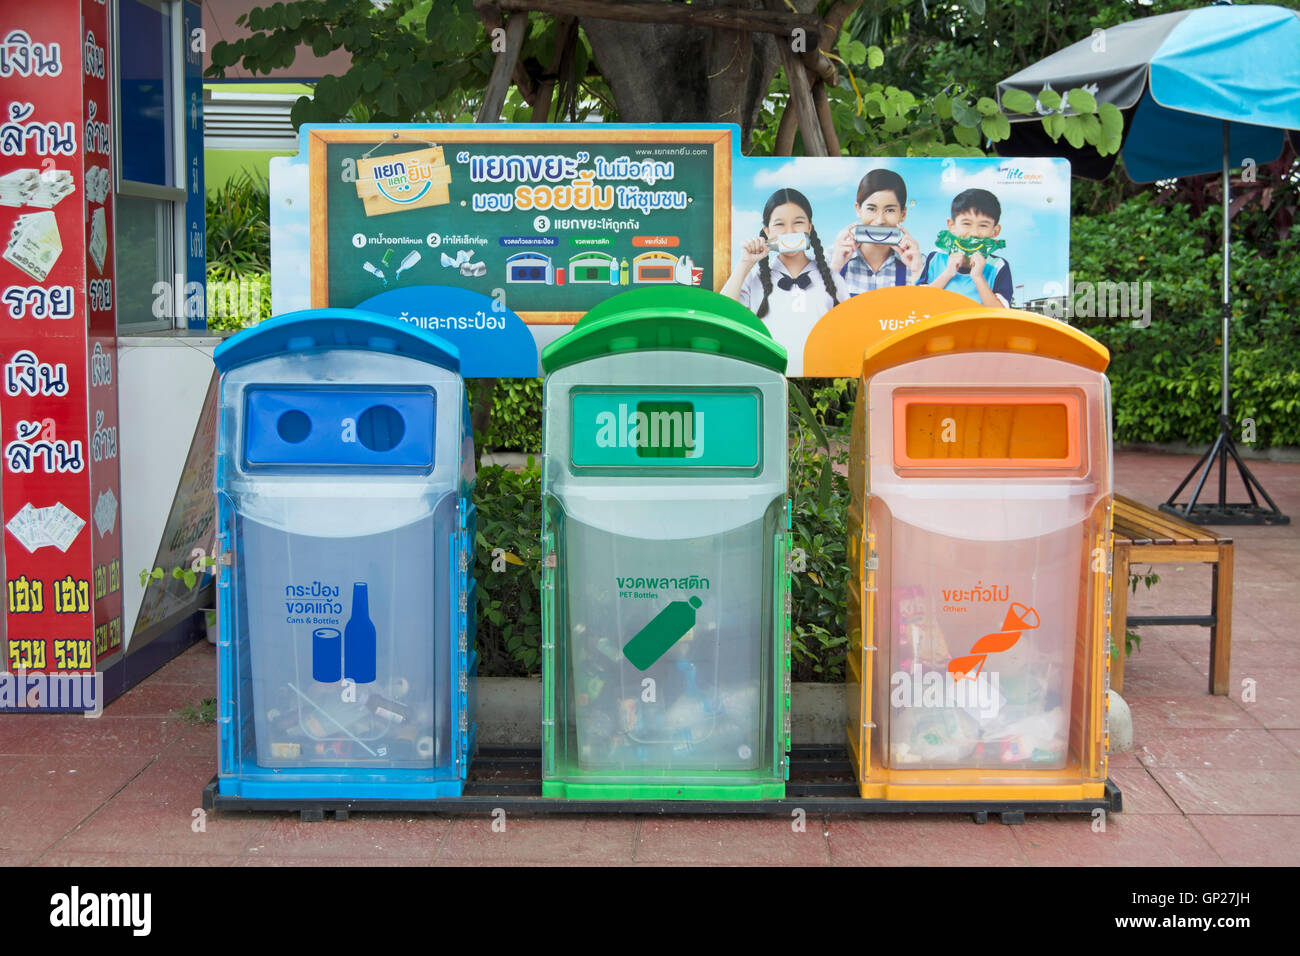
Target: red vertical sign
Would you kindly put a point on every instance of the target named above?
(104, 520)
(57, 429)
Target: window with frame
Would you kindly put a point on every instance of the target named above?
(149, 134)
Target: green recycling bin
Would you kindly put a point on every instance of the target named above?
(665, 532)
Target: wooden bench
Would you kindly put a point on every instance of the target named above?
(1146, 536)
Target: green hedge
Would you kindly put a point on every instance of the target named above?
(516, 420)
(1166, 377)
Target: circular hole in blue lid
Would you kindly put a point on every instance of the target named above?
(380, 428)
(293, 426)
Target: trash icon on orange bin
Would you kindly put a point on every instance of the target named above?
(1019, 618)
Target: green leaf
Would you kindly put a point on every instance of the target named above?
(1073, 131)
(854, 52)
(942, 106)
(967, 135)
(1050, 99)
(963, 114)
(1091, 129)
(1112, 126)
(875, 57)
(372, 74)
(1081, 101)
(806, 415)
(1018, 101)
(986, 106)
(996, 128)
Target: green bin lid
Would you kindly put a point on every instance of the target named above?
(676, 318)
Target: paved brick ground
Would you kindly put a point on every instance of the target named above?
(1212, 780)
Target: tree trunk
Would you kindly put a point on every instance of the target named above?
(667, 73)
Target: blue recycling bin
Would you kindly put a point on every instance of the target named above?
(344, 472)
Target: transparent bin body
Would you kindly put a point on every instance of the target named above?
(982, 585)
(341, 595)
(695, 549)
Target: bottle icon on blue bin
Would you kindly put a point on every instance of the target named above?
(359, 639)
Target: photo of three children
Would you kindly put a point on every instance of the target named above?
(789, 279)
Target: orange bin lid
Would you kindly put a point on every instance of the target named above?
(986, 330)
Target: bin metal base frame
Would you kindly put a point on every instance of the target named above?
(509, 779)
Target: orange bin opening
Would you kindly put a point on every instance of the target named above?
(986, 430)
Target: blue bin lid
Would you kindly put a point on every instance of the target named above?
(322, 329)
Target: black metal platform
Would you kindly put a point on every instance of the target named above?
(509, 779)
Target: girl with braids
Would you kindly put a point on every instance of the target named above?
(789, 291)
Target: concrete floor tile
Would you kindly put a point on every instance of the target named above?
(75, 735)
(1289, 739)
(1123, 760)
(136, 829)
(922, 840)
(34, 826)
(361, 838)
(1204, 749)
(731, 840)
(254, 859)
(198, 740)
(170, 781)
(89, 780)
(565, 839)
(81, 859)
(1159, 711)
(198, 665)
(1252, 840)
(14, 858)
(1127, 840)
(1173, 675)
(1232, 791)
(1276, 705)
(157, 699)
(1140, 793)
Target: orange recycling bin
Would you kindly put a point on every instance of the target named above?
(980, 548)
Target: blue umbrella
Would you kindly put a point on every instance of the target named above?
(1200, 91)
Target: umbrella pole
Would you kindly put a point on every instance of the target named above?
(1224, 447)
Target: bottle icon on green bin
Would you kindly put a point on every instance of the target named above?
(359, 639)
(664, 630)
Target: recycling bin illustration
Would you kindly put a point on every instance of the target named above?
(980, 542)
(665, 534)
(344, 472)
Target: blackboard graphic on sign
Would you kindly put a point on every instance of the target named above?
(553, 220)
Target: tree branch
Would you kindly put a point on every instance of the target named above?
(802, 101)
(502, 70)
(639, 11)
(491, 18)
(546, 89)
(785, 130)
(823, 105)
